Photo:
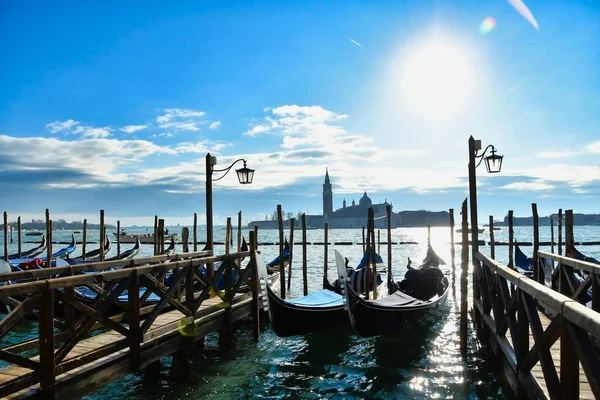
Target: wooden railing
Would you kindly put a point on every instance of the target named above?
(189, 287)
(507, 315)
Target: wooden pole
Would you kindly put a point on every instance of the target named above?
(304, 264)
(368, 263)
(11, 234)
(464, 266)
(551, 235)
(378, 241)
(84, 238)
(292, 220)
(161, 236)
(256, 237)
(228, 235)
(47, 369)
(239, 236)
(363, 239)
(569, 240)
(492, 242)
(452, 249)
(511, 241)
(560, 223)
(156, 235)
(19, 236)
(185, 237)
(474, 222)
(49, 238)
(325, 256)
(537, 274)
(5, 236)
(118, 240)
(102, 233)
(255, 289)
(428, 235)
(281, 263)
(195, 232)
(388, 219)
(373, 256)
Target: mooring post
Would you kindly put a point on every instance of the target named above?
(84, 239)
(195, 232)
(5, 227)
(378, 241)
(49, 239)
(560, 223)
(452, 248)
(368, 268)
(227, 235)
(239, 237)
(538, 273)
(492, 240)
(118, 240)
(19, 237)
(388, 217)
(374, 257)
(325, 258)
(256, 237)
(511, 241)
(304, 263)
(281, 258)
(185, 237)
(464, 266)
(551, 234)
(363, 239)
(256, 292)
(102, 233)
(292, 220)
(161, 236)
(156, 235)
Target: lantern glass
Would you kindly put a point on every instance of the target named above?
(245, 175)
(493, 163)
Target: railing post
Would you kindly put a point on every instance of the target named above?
(135, 332)
(226, 334)
(522, 339)
(46, 334)
(569, 362)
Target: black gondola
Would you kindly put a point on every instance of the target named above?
(392, 312)
(30, 253)
(318, 311)
(128, 254)
(95, 254)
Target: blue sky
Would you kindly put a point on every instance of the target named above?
(114, 105)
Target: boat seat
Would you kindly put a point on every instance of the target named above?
(398, 299)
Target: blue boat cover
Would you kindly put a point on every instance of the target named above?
(322, 298)
(583, 257)
(522, 261)
(60, 253)
(369, 255)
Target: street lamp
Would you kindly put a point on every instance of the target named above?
(245, 176)
(493, 164)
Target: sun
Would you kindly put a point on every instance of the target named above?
(437, 79)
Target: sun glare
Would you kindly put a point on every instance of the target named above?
(437, 79)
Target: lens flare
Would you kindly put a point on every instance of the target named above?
(487, 25)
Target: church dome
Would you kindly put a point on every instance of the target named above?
(365, 201)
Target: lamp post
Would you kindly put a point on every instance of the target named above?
(245, 176)
(493, 164)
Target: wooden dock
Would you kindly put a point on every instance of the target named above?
(73, 359)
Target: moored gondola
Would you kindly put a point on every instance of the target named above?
(125, 255)
(29, 253)
(391, 313)
(95, 254)
(64, 252)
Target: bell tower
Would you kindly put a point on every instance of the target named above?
(327, 195)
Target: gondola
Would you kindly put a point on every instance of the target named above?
(318, 311)
(64, 252)
(169, 251)
(29, 253)
(95, 254)
(125, 255)
(357, 276)
(273, 266)
(422, 291)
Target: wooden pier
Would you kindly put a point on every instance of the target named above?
(544, 338)
(93, 345)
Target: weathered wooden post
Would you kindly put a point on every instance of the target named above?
(363, 239)
(5, 236)
(102, 233)
(256, 237)
(378, 241)
(304, 263)
(452, 248)
(551, 234)
(538, 275)
(185, 237)
(255, 286)
(195, 232)
(374, 256)
(118, 240)
(133, 315)
(325, 258)
(161, 236)
(292, 220)
(227, 235)
(388, 218)
(492, 241)
(560, 231)
(11, 234)
(239, 237)
(156, 235)
(49, 239)
(281, 258)
(569, 239)
(47, 369)
(226, 334)
(511, 241)
(84, 238)
(19, 237)
(464, 266)
(368, 259)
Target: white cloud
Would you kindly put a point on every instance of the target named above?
(255, 130)
(214, 125)
(205, 146)
(556, 154)
(173, 113)
(181, 126)
(133, 128)
(164, 134)
(90, 132)
(594, 147)
(58, 126)
(537, 185)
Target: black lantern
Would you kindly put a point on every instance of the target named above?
(493, 162)
(245, 174)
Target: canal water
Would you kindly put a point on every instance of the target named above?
(421, 361)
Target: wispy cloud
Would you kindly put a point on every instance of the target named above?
(214, 125)
(172, 113)
(133, 128)
(538, 185)
(594, 147)
(201, 147)
(60, 126)
(356, 43)
(556, 154)
(91, 132)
